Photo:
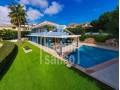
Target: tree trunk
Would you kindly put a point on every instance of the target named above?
(19, 34)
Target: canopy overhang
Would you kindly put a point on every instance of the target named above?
(55, 35)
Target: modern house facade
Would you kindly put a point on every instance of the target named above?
(54, 38)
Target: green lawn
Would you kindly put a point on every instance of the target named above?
(26, 73)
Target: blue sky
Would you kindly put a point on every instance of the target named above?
(60, 11)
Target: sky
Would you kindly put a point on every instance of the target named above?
(59, 11)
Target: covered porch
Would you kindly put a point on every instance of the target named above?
(56, 42)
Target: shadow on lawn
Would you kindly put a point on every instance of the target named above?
(98, 83)
(9, 60)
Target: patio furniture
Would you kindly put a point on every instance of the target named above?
(26, 49)
(69, 65)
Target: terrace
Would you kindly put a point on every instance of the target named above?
(60, 44)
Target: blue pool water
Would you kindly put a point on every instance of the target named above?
(87, 56)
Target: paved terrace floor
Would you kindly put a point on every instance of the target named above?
(109, 75)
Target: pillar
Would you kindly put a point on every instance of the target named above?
(37, 39)
(61, 44)
(49, 42)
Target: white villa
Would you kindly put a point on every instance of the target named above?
(55, 38)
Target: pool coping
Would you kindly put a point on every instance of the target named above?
(97, 67)
(102, 77)
(103, 65)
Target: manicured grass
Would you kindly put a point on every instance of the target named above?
(30, 72)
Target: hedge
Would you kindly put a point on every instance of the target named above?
(7, 54)
(98, 38)
(101, 38)
(7, 34)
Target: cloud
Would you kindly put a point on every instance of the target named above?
(33, 14)
(4, 12)
(24, 2)
(41, 3)
(53, 9)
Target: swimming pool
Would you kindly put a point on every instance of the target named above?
(88, 56)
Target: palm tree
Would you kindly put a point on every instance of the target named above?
(18, 17)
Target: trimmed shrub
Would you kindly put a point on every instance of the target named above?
(83, 37)
(7, 55)
(101, 38)
(7, 34)
(98, 38)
